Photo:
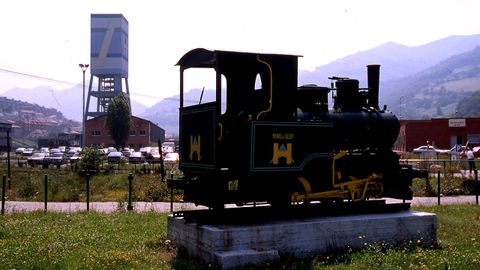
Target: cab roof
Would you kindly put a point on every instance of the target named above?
(204, 58)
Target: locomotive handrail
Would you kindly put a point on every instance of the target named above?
(220, 127)
(270, 77)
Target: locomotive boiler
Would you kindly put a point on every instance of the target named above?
(265, 139)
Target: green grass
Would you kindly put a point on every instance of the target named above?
(84, 241)
(138, 241)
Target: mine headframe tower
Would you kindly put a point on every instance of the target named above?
(109, 62)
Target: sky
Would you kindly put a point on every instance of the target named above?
(49, 38)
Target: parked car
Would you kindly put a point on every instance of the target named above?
(115, 157)
(55, 150)
(136, 158)
(19, 150)
(73, 150)
(127, 151)
(37, 158)
(145, 150)
(155, 153)
(28, 151)
(103, 151)
(76, 157)
(427, 149)
(171, 158)
(56, 158)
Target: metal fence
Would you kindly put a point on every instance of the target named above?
(149, 166)
(37, 182)
(445, 178)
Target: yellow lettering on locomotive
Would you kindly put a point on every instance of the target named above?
(282, 151)
(282, 136)
(276, 135)
(195, 147)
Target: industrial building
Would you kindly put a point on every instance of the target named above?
(443, 133)
(143, 133)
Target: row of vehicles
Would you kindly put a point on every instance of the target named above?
(136, 157)
(47, 156)
(457, 150)
(60, 155)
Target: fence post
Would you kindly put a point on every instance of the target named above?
(3, 194)
(162, 165)
(171, 195)
(45, 193)
(477, 186)
(438, 186)
(8, 160)
(88, 192)
(129, 206)
(445, 169)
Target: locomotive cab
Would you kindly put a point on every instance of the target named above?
(211, 132)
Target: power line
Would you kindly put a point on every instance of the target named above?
(60, 81)
(36, 76)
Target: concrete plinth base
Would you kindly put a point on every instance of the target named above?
(232, 246)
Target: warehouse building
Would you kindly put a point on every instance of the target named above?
(143, 133)
(444, 133)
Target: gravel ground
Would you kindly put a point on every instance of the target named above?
(16, 206)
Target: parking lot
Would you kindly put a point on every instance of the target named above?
(69, 156)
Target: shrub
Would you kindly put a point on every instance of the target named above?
(91, 160)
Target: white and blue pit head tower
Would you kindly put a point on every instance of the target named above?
(108, 62)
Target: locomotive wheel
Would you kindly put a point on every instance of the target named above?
(283, 195)
(281, 201)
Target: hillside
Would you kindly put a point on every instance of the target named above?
(398, 61)
(68, 101)
(436, 91)
(31, 121)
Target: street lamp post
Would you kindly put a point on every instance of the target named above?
(83, 67)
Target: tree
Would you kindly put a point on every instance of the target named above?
(468, 106)
(119, 120)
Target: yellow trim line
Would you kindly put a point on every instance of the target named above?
(270, 87)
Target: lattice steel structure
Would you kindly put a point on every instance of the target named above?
(108, 61)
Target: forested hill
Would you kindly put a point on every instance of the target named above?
(438, 91)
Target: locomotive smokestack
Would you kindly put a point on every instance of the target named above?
(373, 72)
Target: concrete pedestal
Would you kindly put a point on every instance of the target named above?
(232, 246)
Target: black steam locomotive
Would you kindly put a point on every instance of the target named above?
(264, 139)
